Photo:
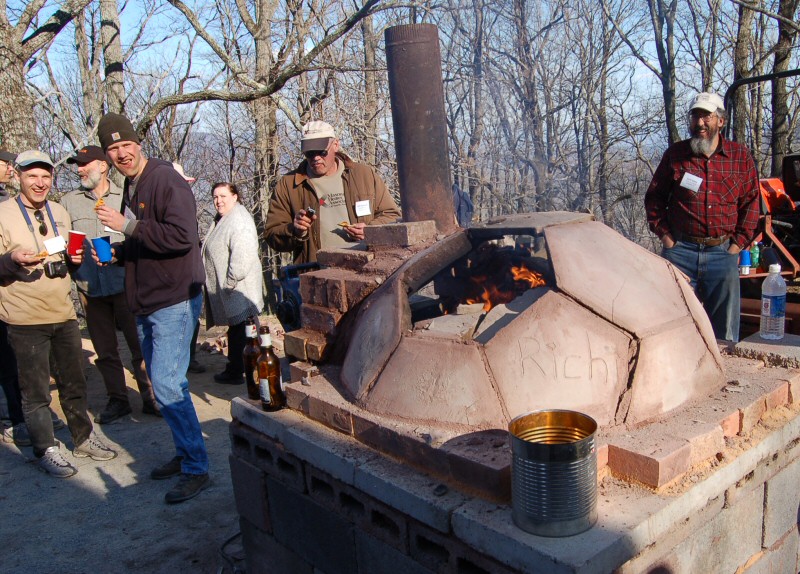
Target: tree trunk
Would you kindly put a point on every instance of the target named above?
(370, 144)
(741, 69)
(17, 122)
(112, 56)
(780, 108)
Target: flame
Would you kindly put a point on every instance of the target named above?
(495, 294)
(522, 273)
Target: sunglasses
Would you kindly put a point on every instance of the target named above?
(314, 153)
(40, 218)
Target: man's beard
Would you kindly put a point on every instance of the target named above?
(704, 144)
(92, 180)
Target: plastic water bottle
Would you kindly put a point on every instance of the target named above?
(773, 304)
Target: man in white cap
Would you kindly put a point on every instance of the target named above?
(345, 196)
(35, 302)
(703, 205)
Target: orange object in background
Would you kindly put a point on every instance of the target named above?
(775, 196)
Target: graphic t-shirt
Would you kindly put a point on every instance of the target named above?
(332, 208)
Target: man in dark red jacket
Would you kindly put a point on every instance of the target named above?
(702, 204)
(163, 283)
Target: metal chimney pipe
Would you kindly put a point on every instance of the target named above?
(420, 129)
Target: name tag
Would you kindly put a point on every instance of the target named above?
(55, 245)
(691, 182)
(362, 208)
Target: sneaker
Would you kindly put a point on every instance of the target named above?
(94, 449)
(151, 408)
(58, 424)
(188, 486)
(172, 468)
(228, 378)
(196, 367)
(54, 463)
(18, 434)
(114, 409)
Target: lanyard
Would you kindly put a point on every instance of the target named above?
(30, 224)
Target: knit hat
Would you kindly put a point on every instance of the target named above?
(317, 136)
(114, 128)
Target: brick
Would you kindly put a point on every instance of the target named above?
(653, 465)
(705, 440)
(481, 462)
(297, 398)
(294, 344)
(300, 370)
(358, 287)
(732, 424)
(265, 556)
(327, 406)
(794, 386)
(250, 493)
(602, 457)
(313, 288)
(363, 511)
(752, 413)
(400, 234)
(312, 532)
(320, 319)
(778, 397)
(353, 258)
(376, 557)
(781, 494)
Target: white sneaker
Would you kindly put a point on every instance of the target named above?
(18, 434)
(94, 448)
(54, 464)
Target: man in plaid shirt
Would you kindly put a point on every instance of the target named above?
(702, 204)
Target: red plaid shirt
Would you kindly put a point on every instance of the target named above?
(726, 203)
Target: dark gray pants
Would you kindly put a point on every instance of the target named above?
(32, 345)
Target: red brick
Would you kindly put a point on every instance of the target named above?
(294, 344)
(778, 397)
(602, 457)
(358, 287)
(794, 386)
(732, 424)
(481, 462)
(753, 412)
(652, 467)
(328, 407)
(400, 234)
(319, 319)
(353, 258)
(301, 370)
(297, 398)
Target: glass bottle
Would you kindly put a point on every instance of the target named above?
(269, 374)
(250, 359)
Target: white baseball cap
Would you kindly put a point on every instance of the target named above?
(316, 136)
(708, 101)
(33, 156)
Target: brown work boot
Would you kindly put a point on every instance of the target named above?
(114, 410)
(172, 468)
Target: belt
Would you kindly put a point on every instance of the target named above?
(706, 241)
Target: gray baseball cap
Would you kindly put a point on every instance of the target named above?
(32, 156)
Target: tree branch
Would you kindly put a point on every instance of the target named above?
(755, 7)
(40, 37)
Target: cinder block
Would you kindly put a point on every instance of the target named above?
(654, 466)
(732, 423)
(481, 462)
(264, 555)
(753, 412)
(376, 557)
(400, 234)
(447, 554)
(250, 493)
(782, 500)
(311, 531)
(322, 319)
(268, 455)
(778, 397)
(301, 370)
(353, 258)
(778, 558)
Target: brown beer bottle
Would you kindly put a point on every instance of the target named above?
(269, 374)
(250, 358)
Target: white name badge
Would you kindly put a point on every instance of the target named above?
(362, 208)
(691, 182)
(129, 214)
(55, 245)
(107, 229)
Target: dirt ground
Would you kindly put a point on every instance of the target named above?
(111, 517)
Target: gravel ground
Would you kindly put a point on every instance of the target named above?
(111, 517)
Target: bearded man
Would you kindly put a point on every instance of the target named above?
(702, 204)
(101, 290)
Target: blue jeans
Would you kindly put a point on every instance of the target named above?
(165, 335)
(714, 276)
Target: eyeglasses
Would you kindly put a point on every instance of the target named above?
(314, 153)
(42, 225)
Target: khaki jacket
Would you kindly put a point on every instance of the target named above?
(27, 296)
(294, 192)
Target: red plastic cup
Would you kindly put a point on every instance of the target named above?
(76, 239)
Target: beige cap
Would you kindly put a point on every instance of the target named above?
(316, 136)
(708, 101)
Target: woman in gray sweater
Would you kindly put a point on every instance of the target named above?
(233, 275)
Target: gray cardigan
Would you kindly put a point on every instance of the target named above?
(233, 269)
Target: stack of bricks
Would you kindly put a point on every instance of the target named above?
(347, 276)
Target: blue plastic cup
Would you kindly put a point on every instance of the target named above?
(744, 258)
(102, 245)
